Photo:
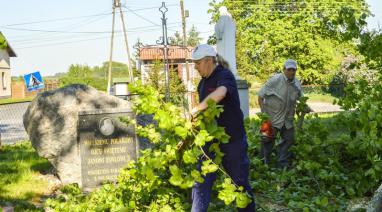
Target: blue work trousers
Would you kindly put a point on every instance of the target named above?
(236, 164)
(284, 155)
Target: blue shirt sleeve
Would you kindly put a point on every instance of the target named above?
(227, 80)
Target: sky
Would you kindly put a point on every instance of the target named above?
(50, 35)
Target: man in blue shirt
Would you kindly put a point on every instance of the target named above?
(219, 85)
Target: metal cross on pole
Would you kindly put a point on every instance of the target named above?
(163, 9)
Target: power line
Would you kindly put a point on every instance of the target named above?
(207, 32)
(56, 31)
(291, 3)
(80, 24)
(77, 41)
(59, 43)
(142, 17)
(77, 17)
(200, 23)
(49, 37)
(54, 20)
(76, 32)
(148, 8)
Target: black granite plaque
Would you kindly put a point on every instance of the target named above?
(106, 145)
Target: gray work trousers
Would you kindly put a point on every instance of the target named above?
(284, 155)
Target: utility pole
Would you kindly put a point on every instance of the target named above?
(117, 4)
(108, 89)
(188, 76)
(129, 65)
(183, 23)
(163, 9)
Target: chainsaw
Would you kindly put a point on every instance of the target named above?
(266, 130)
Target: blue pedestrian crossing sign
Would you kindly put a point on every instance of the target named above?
(33, 81)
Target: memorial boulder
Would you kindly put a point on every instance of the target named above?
(54, 121)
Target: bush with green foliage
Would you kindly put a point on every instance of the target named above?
(336, 160)
(162, 176)
(331, 167)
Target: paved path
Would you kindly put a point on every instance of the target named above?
(11, 122)
(317, 107)
(324, 107)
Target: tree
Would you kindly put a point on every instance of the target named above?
(156, 79)
(94, 76)
(370, 47)
(82, 74)
(156, 76)
(118, 69)
(177, 88)
(193, 38)
(318, 34)
(3, 42)
(176, 40)
(211, 40)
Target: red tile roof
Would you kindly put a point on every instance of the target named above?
(156, 52)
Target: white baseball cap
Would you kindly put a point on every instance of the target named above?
(203, 50)
(290, 64)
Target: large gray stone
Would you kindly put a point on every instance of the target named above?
(51, 121)
(375, 204)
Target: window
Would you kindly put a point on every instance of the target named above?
(3, 80)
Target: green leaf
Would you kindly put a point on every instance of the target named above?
(176, 178)
(227, 193)
(208, 167)
(202, 137)
(242, 199)
(324, 201)
(191, 156)
(197, 177)
(181, 131)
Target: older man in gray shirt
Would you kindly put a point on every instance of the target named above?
(278, 98)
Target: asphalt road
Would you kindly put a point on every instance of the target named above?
(11, 122)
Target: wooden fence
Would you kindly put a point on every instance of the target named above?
(19, 90)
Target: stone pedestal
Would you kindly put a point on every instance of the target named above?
(242, 86)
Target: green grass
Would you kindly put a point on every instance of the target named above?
(10, 100)
(21, 184)
(314, 97)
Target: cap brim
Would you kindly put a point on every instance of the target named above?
(290, 66)
(197, 58)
